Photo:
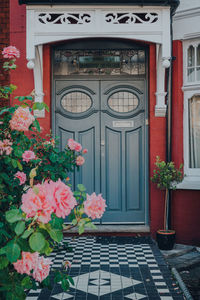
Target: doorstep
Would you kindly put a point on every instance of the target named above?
(126, 229)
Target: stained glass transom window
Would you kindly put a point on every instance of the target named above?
(99, 62)
(123, 102)
(76, 102)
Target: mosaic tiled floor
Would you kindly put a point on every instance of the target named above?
(113, 268)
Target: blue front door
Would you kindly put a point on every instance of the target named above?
(108, 118)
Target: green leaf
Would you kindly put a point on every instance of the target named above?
(29, 97)
(91, 225)
(56, 222)
(46, 107)
(37, 241)
(71, 280)
(19, 228)
(81, 229)
(38, 105)
(27, 283)
(37, 125)
(74, 222)
(19, 165)
(81, 187)
(14, 163)
(13, 215)
(12, 251)
(3, 250)
(47, 250)
(21, 98)
(27, 233)
(3, 262)
(65, 284)
(56, 234)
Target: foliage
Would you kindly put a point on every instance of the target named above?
(28, 163)
(166, 175)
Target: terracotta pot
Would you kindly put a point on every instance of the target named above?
(165, 239)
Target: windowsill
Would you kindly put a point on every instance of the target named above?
(190, 183)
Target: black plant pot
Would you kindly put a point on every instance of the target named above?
(165, 239)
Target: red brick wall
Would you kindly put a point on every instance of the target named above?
(4, 41)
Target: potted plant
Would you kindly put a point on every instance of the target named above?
(166, 176)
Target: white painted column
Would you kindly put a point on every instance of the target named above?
(38, 79)
(37, 65)
(160, 108)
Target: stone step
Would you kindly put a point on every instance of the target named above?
(187, 260)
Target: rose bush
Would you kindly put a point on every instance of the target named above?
(36, 197)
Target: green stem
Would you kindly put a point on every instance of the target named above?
(165, 210)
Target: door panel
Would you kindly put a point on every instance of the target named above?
(84, 128)
(113, 131)
(122, 154)
(113, 169)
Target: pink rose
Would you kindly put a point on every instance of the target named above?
(38, 202)
(32, 261)
(26, 263)
(10, 52)
(94, 206)
(63, 198)
(21, 176)
(78, 147)
(85, 151)
(5, 147)
(28, 155)
(42, 268)
(21, 119)
(71, 144)
(80, 160)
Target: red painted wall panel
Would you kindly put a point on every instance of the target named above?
(22, 77)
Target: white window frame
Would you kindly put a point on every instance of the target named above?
(195, 43)
(190, 89)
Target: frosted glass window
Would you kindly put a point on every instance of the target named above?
(194, 132)
(123, 102)
(76, 102)
(193, 63)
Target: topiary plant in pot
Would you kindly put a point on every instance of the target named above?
(166, 176)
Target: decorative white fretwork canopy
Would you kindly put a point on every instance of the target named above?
(47, 24)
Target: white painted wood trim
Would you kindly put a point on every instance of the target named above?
(192, 174)
(38, 79)
(160, 108)
(93, 21)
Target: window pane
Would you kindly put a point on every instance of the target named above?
(99, 62)
(194, 132)
(76, 102)
(191, 74)
(191, 56)
(198, 55)
(123, 102)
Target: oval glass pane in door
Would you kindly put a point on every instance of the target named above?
(123, 102)
(76, 102)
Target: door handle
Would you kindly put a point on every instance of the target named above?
(102, 143)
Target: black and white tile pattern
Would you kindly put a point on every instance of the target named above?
(112, 268)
